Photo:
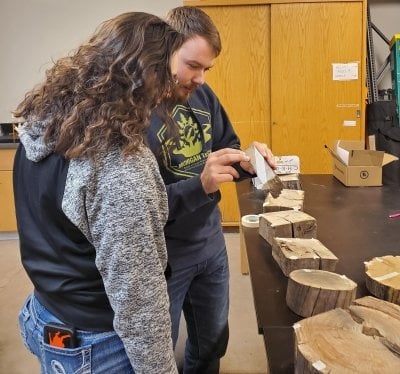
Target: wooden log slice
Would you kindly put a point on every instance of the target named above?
(310, 292)
(304, 225)
(380, 319)
(291, 181)
(299, 253)
(383, 278)
(271, 182)
(287, 224)
(288, 199)
(392, 310)
(334, 342)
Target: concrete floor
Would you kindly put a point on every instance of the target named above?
(245, 355)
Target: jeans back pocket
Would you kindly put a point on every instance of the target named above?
(66, 360)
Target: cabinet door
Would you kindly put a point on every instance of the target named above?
(241, 79)
(308, 107)
(7, 211)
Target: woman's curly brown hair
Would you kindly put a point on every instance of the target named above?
(101, 96)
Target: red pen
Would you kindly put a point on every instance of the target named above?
(394, 215)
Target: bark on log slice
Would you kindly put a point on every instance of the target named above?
(288, 199)
(383, 278)
(299, 253)
(290, 181)
(356, 341)
(287, 224)
(310, 292)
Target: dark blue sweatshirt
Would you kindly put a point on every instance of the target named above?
(193, 231)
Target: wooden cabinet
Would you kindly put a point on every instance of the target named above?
(291, 74)
(308, 107)
(7, 210)
(241, 80)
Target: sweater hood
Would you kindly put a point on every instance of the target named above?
(31, 136)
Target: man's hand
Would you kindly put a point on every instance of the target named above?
(265, 152)
(218, 168)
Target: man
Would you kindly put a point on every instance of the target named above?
(204, 153)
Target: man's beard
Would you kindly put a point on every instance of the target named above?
(182, 93)
(173, 100)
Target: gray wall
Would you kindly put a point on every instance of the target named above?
(33, 32)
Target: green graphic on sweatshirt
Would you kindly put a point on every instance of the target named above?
(183, 154)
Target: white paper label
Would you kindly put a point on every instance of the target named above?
(287, 164)
(345, 72)
(349, 123)
(319, 365)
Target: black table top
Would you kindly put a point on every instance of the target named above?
(353, 222)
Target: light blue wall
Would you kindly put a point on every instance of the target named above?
(32, 32)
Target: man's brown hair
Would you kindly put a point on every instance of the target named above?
(192, 21)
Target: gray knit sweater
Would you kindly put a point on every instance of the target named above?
(120, 205)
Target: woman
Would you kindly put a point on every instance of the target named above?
(91, 205)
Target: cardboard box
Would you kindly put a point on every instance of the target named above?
(353, 165)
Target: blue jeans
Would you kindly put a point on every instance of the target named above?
(98, 352)
(202, 292)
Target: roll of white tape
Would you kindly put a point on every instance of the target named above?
(251, 220)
